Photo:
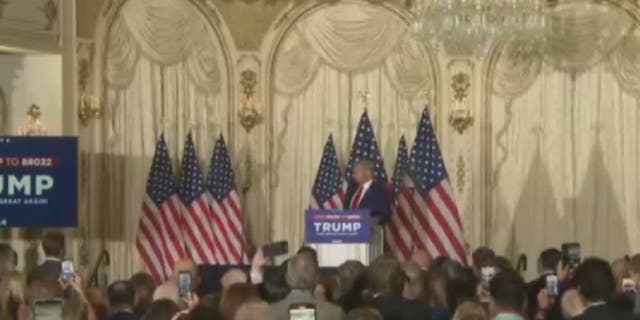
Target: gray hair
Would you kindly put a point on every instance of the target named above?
(254, 310)
(302, 272)
(364, 314)
(349, 273)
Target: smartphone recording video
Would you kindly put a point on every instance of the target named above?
(184, 284)
(552, 286)
(302, 311)
(68, 271)
(275, 249)
(572, 253)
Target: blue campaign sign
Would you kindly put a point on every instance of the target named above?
(38, 181)
(337, 226)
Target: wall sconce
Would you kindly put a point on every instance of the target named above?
(89, 107)
(460, 117)
(249, 112)
(33, 127)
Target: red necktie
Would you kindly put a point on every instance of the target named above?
(356, 198)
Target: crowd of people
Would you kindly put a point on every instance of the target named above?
(420, 289)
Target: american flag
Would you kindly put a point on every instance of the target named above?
(365, 147)
(195, 208)
(328, 188)
(436, 210)
(225, 204)
(400, 233)
(159, 239)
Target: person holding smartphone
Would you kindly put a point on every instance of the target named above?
(121, 296)
(300, 304)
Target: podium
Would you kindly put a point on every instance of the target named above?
(341, 235)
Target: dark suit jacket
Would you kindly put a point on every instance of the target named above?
(604, 312)
(122, 315)
(49, 270)
(396, 308)
(375, 199)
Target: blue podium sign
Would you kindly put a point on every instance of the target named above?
(38, 181)
(337, 226)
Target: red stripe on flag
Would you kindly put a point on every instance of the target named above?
(422, 220)
(404, 218)
(451, 237)
(148, 262)
(448, 201)
(398, 242)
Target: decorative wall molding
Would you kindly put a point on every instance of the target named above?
(31, 25)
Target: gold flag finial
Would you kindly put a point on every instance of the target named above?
(364, 97)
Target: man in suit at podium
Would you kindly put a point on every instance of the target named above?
(366, 193)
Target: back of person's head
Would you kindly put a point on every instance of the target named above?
(53, 244)
(422, 258)
(385, 276)
(461, 288)
(482, 257)
(163, 309)
(364, 314)
(233, 276)
(350, 273)
(302, 272)
(620, 269)
(144, 287)
(121, 294)
(470, 311)
(594, 280)
(275, 284)
(202, 312)
(305, 250)
(414, 288)
(234, 296)
(548, 260)
(254, 310)
(12, 294)
(502, 263)
(8, 258)
(508, 291)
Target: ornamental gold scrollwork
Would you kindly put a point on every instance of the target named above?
(460, 117)
(50, 10)
(249, 113)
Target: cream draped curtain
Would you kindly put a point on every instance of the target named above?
(323, 64)
(565, 146)
(164, 72)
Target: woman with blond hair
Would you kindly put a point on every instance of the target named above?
(470, 311)
(12, 298)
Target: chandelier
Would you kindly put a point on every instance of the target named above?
(469, 27)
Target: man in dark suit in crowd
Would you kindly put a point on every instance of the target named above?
(508, 296)
(547, 264)
(385, 281)
(121, 296)
(302, 277)
(596, 284)
(366, 193)
(51, 268)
